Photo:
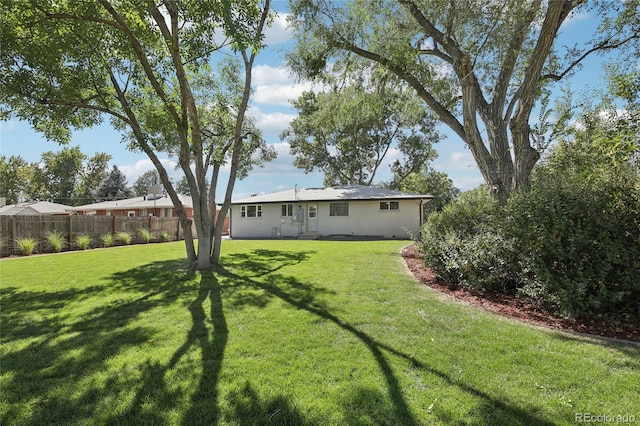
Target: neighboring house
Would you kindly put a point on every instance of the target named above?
(343, 211)
(144, 206)
(34, 208)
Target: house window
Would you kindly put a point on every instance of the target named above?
(339, 209)
(251, 211)
(313, 212)
(131, 213)
(389, 205)
(287, 210)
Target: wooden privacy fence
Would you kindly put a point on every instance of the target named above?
(15, 227)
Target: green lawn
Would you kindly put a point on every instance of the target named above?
(289, 332)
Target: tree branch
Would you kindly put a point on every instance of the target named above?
(509, 62)
(142, 57)
(604, 45)
(445, 115)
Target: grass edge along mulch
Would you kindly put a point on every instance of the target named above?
(517, 308)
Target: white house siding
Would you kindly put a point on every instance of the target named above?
(365, 219)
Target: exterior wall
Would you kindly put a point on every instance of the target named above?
(365, 219)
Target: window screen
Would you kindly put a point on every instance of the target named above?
(339, 209)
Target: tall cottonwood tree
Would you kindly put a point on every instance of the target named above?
(66, 64)
(479, 65)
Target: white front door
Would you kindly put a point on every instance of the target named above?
(312, 218)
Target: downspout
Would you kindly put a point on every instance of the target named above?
(421, 224)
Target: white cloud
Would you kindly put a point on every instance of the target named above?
(575, 16)
(271, 123)
(276, 85)
(266, 75)
(5, 126)
(282, 166)
(455, 161)
(466, 183)
(279, 31)
(133, 172)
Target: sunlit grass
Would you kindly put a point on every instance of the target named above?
(287, 332)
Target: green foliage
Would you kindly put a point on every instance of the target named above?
(580, 248)
(91, 177)
(578, 234)
(165, 236)
(14, 178)
(431, 182)
(69, 65)
(461, 244)
(470, 61)
(114, 186)
(142, 184)
(146, 235)
(27, 245)
(65, 177)
(83, 241)
(570, 243)
(347, 130)
(55, 240)
(125, 238)
(107, 239)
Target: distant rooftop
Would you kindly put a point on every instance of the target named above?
(347, 192)
(144, 202)
(34, 208)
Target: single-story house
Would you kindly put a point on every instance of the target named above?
(34, 208)
(341, 211)
(144, 206)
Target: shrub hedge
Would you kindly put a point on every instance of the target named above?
(568, 243)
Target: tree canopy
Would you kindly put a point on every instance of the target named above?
(479, 66)
(144, 181)
(114, 186)
(67, 177)
(348, 130)
(67, 64)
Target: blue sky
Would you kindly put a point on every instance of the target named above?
(274, 87)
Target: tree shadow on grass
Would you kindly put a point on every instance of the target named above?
(48, 363)
(57, 349)
(248, 408)
(393, 409)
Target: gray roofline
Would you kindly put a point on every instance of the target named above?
(331, 200)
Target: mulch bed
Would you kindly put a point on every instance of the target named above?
(515, 307)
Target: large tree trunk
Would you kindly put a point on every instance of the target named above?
(217, 237)
(526, 157)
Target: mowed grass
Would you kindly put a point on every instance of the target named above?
(288, 332)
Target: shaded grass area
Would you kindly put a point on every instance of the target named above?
(286, 332)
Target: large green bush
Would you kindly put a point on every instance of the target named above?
(570, 242)
(578, 241)
(464, 244)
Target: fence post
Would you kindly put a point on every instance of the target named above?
(113, 225)
(70, 230)
(13, 230)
